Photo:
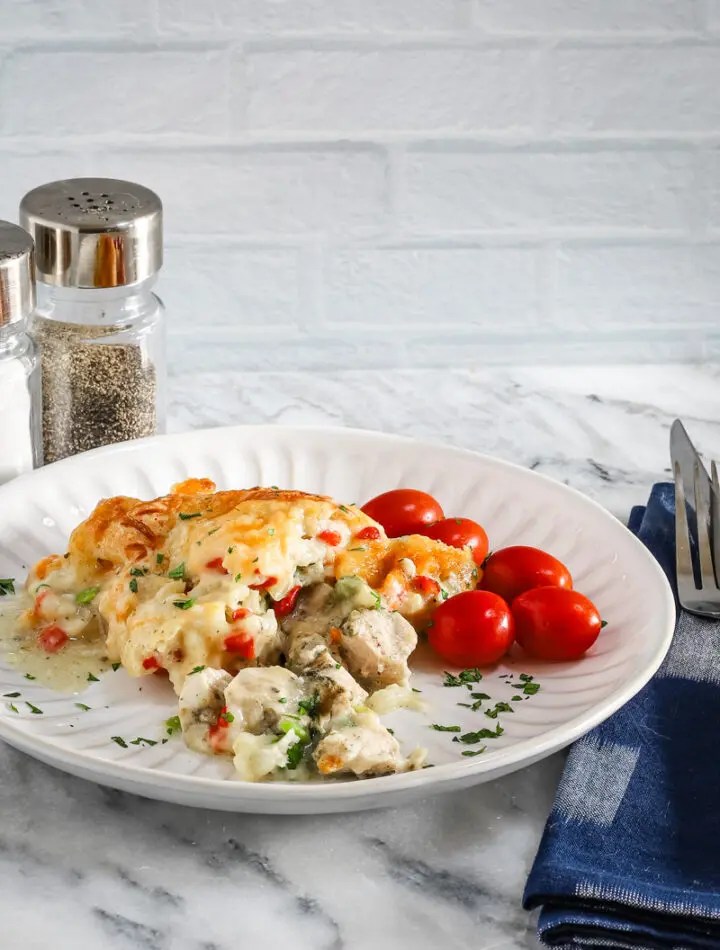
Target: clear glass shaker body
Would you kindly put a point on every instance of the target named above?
(102, 355)
(20, 434)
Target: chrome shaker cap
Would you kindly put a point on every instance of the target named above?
(17, 274)
(94, 232)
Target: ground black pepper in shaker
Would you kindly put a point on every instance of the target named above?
(98, 325)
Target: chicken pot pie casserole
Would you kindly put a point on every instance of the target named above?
(283, 620)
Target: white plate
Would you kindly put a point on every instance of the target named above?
(515, 506)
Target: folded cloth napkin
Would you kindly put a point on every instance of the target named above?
(630, 856)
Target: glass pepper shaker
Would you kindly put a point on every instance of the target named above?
(20, 440)
(98, 326)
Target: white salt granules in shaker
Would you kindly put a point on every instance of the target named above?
(20, 438)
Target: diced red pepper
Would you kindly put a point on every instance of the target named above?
(368, 534)
(38, 602)
(265, 584)
(425, 585)
(216, 565)
(284, 607)
(53, 638)
(333, 538)
(215, 732)
(238, 614)
(241, 644)
(151, 663)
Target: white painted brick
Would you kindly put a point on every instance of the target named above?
(635, 89)
(113, 90)
(538, 190)
(389, 89)
(21, 171)
(231, 287)
(259, 191)
(320, 16)
(444, 288)
(559, 16)
(25, 19)
(630, 286)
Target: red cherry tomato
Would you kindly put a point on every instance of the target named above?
(553, 623)
(403, 511)
(510, 571)
(460, 533)
(474, 628)
(53, 638)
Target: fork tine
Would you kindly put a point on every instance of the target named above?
(702, 514)
(683, 557)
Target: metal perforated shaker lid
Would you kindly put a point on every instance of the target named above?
(17, 274)
(94, 232)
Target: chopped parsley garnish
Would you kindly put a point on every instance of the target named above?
(283, 699)
(516, 699)
(140, 740)
(475, 573)
(470, 738)
(87, 595)
(294, 755)
(120, 741)
(83, 707)
(33, 709)
(603, 624)
(13, 707)
(40, 587)
(526, 678)
(271, 531)
(274, 488)
(462, 679)
(310, 706)
(237, 577)
(231, 549)
(343, 508)
(133, 585)
(526, 684)
(184, 604)
(7, 586)
(531, 689)
(361, 548)
(416, 690)
(196, 669)
(444, 594)
(177, 573)
(29, 676)
(138, 571)
(159, 558)
(227, 716)
(116, 667)
(474, 751)
(498, 708)
(172, 725)
(391, 731)
(214, 530)
(438, 728)
(11, 695)
(255, 560)
(91, 678)
(186, 517)
(378, 600)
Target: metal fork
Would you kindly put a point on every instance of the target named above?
(698, 590)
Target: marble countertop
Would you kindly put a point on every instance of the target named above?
(84, 867)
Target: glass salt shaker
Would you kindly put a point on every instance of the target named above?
(99, 328)
(20, 439)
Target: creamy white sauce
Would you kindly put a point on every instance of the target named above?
(67, 670)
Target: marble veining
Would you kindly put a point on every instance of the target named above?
(84, 867)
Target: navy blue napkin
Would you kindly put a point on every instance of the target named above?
(630, 856)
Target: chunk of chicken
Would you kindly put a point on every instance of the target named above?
(348, 623)
(375, 645)
(260, 697)
(364, 747)
(201, 701)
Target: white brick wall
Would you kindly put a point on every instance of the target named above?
(393, 181)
